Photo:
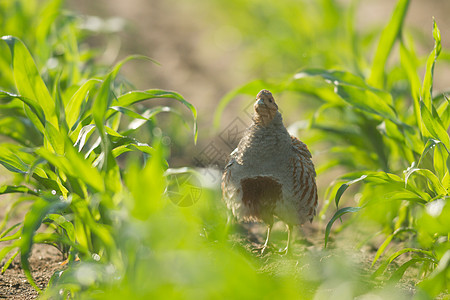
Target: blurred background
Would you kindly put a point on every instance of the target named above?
(208, 48)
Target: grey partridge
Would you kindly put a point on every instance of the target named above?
(270, 173)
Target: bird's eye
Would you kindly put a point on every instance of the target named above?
(270, 100)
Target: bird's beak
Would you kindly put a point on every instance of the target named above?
(260, 101)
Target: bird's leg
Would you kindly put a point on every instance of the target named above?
(269, 229)
(286, 250)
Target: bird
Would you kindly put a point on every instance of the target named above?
(270, 173)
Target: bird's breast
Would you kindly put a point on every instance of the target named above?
(265, 153)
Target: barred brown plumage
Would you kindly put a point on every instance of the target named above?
(270, 173)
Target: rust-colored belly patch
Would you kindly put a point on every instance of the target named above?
(260, 195)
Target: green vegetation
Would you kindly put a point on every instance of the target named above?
(89, 164)
(389, 131)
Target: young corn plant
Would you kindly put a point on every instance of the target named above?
(64, 146)
(389, 131)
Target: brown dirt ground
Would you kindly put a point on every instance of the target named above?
(44, 260)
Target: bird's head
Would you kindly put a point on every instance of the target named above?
(265, 108)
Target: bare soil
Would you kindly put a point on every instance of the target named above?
(44, 261)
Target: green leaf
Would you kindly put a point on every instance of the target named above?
(11, 160)
(20, 130)
(384, 265)
(74, 165)
(432, 179)
(149, 114)
(344, 187)
(100, 107)
(85, 226)
(33, 220)
(408, 195)
(408, 60)
(55, 138)
(28, 81)
(84, 134)
(137, 96)
(62, 222)
(128, 112)
(388, 37)
(388, 241)
(145, 184)
(51, 238)
(6, 189)
(336, 216)
(111, 132)
(430, 145)
(427, 87)
(133, 147)
(9, 261)
(398, 274)
(59, 105)
(434, 126)
(440, 158)
(437, 281)
(356, 92)
(32, 104)
(444, 112)
(7, 249)
(73, 107)
(5, 237)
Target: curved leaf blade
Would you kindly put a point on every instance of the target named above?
(138, 96)
(28, 80)
(336, 216)
(427, 86)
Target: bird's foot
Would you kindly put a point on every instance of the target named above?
(262, 250)
(284, 252)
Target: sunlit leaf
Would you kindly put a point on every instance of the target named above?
(16, 235)
(356, 92)
(9, 261)
(388, 37)
(427, 87)
(434, 126)
(433, 181)
(74, 165)
(74, 105)
(11, 160)
(132, 147)
(6, 189)
(407, 60)
(4, 251)
(61, 221)
(84, 134)
(28, 81)
(55, 138)
(138, 96)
